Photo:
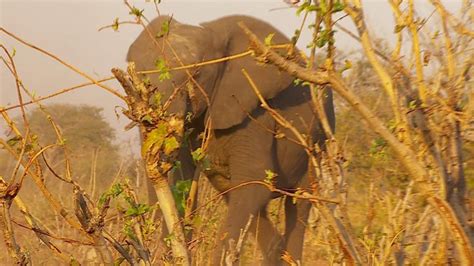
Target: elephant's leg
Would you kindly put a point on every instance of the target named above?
(296, 219)
(242, 203)
(248, 152)
(270, 241)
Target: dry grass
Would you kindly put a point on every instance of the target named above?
(417, 112)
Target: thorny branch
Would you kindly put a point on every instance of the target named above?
(404, 153)
(73, 68)
(156, 166)
(91, 221)
(7, 194)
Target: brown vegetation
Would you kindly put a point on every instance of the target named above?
(393, 186)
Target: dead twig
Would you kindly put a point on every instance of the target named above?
(7, 194)
(403, 152)
(73, 68)
(156, 167)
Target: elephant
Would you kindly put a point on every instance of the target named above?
(242, 144)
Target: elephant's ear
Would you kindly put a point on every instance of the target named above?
(165, 39)
(233, 97)
(187, 40)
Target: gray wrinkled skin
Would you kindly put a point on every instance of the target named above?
(242, 145)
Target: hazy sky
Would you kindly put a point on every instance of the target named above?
(69, 29)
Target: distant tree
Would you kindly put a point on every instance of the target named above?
(89, 141)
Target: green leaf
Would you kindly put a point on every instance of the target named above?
(312, 8)
(131, 212)
(164, 76)
(307, 7)
(168, 240)
(377, 148)
(165, 28)
(398, 28)
(163, 69)
(392, 125)
(347, 66)
(177, 165)
(197, 155)
(155, 99)
(118, 261)
(137, 210)
(136, 12)
(205, 164)
(184, 186)
(297, 193)
(320, 42)
(180, 192)
(13, 141)
(269, 176)
(337, 7)
(114, 191)
(268, 39)
(306, 83)
(296, 36)
(170, 145)
(62, 141)
(302, 7)
(323, 7)
(146, 81)
(28, 147)
(279, 135)
(129, 231)
(147, 118)
(379, 142)
(74, 262)
(115, 25)
(160, 64)
(189, 116)
(154, 138)
(323, 38)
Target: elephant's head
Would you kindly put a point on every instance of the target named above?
(223, 93)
